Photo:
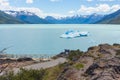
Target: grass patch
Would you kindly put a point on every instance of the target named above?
(52, 73)
(24, 75)
(118, 52)
(74, 55)
(42, 74)
(78, 66)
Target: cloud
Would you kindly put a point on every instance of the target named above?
(34, 10)
(71, 12)
(106, 0)
(4, 3)
(89, 0)
(115, 7)
(100, 0)
(4, 6)
(29, 1)
(55, 0)
(101, 8)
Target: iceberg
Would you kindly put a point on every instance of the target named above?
(84, 33)
(73, 34)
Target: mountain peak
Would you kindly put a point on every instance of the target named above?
(113, 18)
(8, 19)
(49, 18)
(15, 13)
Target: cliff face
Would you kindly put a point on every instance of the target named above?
(100, 62)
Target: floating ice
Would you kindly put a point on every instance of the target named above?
(73, 34)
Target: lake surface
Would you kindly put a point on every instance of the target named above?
(34, 39)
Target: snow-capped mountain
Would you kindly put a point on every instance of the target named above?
(113, 18)
(15, 13)
(8, 19)
(27, 17)
(77, 19)
(32, 18)
(93, 18)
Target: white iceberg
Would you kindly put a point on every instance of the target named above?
(73, 34)
(85, 33)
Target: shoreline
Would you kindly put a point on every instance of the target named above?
(23, 61)
(42, 58)
(83, 65)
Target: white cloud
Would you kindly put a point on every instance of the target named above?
(55, 0)
(34, 10)
(4, 6)
(4, 3)
(100, 0)
(71, 12)
(115, 7)
(101, 8)
(29, 1)
(89, 0)
(106, 0)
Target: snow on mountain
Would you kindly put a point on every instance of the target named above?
(8, 19)
(76, 19)
(15, 13)
(30, 17)
(27, 17)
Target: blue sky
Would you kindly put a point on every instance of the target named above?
(62, 7)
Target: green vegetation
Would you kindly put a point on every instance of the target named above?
(74, 55)
(52, 73)
(42, 74)
(100, 55)
(25, 75)
(78, 66)
(45, 74)
(77, 61)
(118, 52)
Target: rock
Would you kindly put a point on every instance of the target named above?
(63, 54)
(115, 44)
(91, 48)
(90, 70)
(24, 59)
(100, 63)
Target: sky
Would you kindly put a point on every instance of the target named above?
(58, 8)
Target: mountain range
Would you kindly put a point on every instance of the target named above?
(113, 18)
(24, 17)
(8, 19)
(78, 19)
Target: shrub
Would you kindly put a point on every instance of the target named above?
(42, 74)
(74, 55)
(25, 75)
(78, 66)
(118, 52)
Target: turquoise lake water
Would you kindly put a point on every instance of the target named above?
(45, 39)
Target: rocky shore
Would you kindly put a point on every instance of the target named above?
(100, 62)
(7, 64)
